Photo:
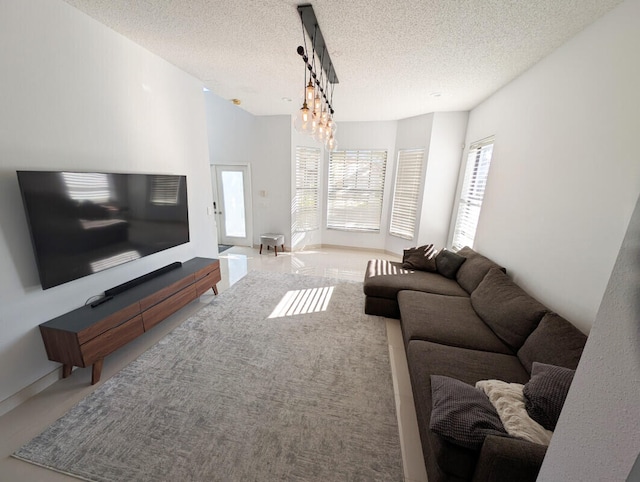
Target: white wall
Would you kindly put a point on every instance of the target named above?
(230, 131)
(444, 157)
(237, 137)
(363, 135)
(598, 434)
(76, 95)
(271, 171)
(565, 173)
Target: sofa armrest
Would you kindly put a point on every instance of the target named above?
(506, 459)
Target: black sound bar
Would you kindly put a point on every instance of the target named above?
(137, 281)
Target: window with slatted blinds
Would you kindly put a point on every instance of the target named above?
(306, 201)
(406, 193)
(472, 194)
(356, 187)
(165, 190)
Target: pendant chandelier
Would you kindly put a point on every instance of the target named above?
(315, 117)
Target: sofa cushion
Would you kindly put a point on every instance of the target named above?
(546, 392)
(474, 269)
(555, 341)
(470, 366)
(383, 279)
(449, 320)
(448, 263)
(462, 414)
(508, 310)
(422, 258)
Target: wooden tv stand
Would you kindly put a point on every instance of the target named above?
(86, 335)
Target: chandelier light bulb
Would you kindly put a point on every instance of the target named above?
(317, 104)
(313, 124)
(321, 131)
(309, 93)
(331, 143)
(331, 125)
(301, 122)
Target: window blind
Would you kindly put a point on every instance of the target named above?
(164, 190)
(355, 191)
(306, 201)
(406, 193)
(472, 193)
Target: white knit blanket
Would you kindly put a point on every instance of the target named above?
(508, 400)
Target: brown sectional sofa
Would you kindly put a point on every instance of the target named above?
(479, 326)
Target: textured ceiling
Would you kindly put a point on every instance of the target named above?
(390, 56)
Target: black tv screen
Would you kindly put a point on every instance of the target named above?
(84, 222)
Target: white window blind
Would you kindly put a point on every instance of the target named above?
(165, 190)
(306, 200)
(472, 194)
(406, 193)
(356, 186)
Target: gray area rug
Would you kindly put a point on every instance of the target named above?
(273, 380)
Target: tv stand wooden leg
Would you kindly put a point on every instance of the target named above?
(215, 290)
(96, 371)
(66, 370)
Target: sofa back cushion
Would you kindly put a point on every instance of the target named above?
(508, 310)
(555, 342)
(474, 269)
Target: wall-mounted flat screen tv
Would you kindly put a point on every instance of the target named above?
(85, 222)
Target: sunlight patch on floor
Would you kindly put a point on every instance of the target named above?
(300, 302)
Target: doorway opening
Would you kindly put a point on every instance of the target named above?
(232, 205)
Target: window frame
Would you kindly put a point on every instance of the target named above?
(471, 197)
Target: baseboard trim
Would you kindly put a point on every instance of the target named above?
(29, 391)
(358, 248)
(307, 247)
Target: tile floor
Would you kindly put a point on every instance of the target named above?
(30, 418)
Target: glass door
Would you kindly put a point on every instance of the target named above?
(232, 205)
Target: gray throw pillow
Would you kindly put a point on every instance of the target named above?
(545, 393)
(462, 414)
(422, 258)
(448, 263)
(506, 308)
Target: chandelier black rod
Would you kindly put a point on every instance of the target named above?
(310, 23)
(305, 59)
